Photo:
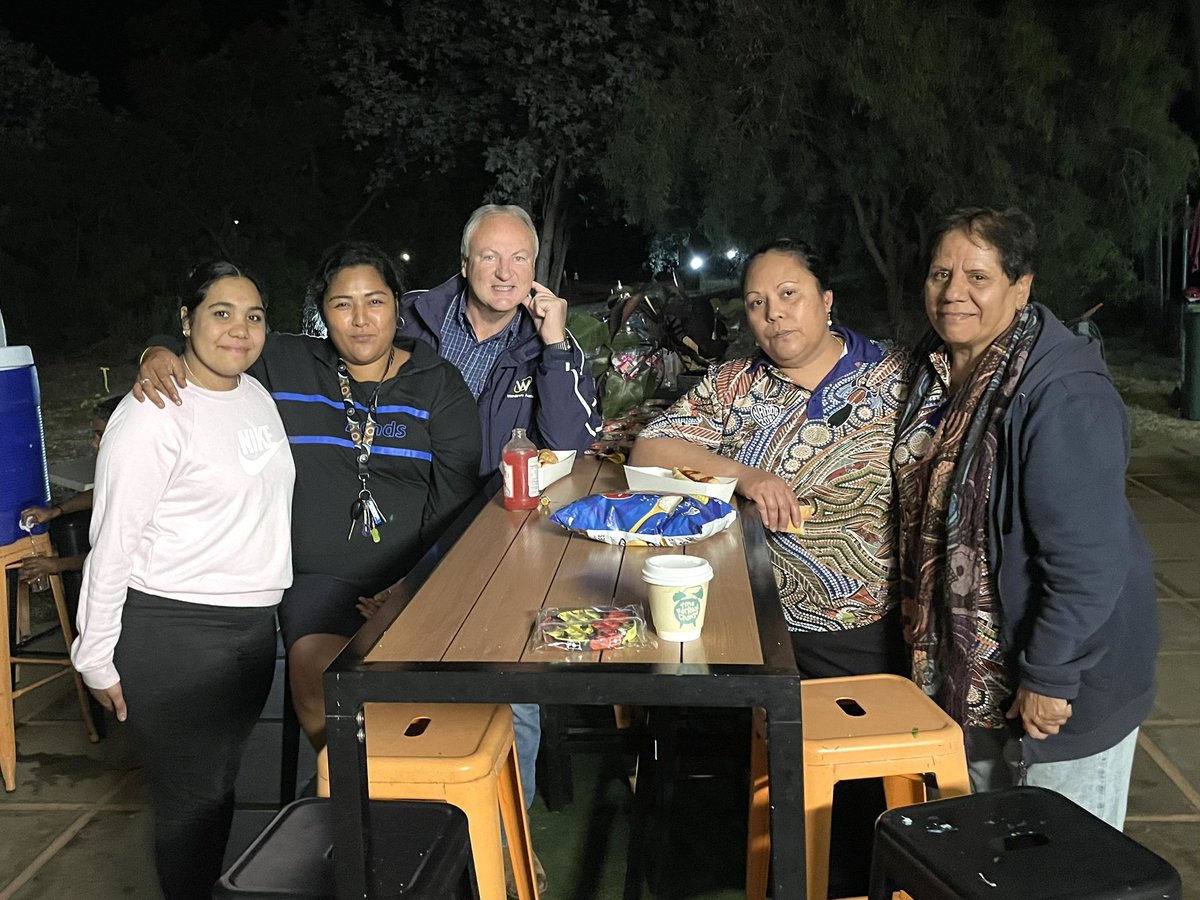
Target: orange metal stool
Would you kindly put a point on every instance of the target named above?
(868, 726)
(10, 558)
(461, 754)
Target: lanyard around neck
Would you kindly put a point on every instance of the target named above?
(364, 511)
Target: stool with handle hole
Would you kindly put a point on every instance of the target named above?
(864, 726)
(457, 753)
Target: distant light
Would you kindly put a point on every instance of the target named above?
(697, 263)
(406, 257)
(731, 253)
(237, 221)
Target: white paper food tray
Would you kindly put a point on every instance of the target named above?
(547, 475)
(653, 480)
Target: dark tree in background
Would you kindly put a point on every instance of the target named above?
(232, 148)
(251, 162)
(41, 244)
(858, 123)
(1192, 15)
(853, 124)
(528, 91)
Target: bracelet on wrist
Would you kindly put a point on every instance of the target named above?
(142, 358)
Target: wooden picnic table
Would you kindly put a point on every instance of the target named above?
(458, 630)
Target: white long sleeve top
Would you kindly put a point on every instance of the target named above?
(192, 503)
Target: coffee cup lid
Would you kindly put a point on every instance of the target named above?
(676, 569)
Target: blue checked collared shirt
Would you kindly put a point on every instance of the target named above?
(475, 360)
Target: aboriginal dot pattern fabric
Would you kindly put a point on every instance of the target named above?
(833, 446)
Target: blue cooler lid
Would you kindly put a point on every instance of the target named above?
(15, 357)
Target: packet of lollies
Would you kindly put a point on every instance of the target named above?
(591, 628)
(652, 520)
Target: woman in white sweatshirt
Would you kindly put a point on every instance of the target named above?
(190, 555)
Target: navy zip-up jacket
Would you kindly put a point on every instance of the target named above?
(547, 391)
(1074, 573)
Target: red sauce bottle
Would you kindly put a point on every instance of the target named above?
(519, 466)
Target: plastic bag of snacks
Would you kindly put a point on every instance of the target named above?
(591, 628)
(653, 520)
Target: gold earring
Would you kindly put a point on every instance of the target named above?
(829, 319)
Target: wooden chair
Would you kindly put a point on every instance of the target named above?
(10, 559)
(868, 726)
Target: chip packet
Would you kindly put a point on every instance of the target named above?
(653, 520)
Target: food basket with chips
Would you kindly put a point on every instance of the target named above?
(680, 480)
(553, 465)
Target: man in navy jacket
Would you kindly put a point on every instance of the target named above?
(508, 336)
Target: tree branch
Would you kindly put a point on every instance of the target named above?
(362, 210)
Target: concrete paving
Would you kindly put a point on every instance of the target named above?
(1164, 797)
(78, 824)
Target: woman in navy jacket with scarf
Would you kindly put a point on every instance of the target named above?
(1028, 592)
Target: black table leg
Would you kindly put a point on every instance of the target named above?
(785, 760)
(348, 804)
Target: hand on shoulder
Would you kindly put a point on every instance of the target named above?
(160, 377)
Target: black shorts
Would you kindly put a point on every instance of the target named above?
(319, 604)
(871, 650)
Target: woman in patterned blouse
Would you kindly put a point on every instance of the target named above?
(811, 417)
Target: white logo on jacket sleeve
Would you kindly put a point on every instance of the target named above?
(521, 389)
(255, 448)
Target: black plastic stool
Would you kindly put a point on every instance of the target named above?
(421, 851)
(1021, 843)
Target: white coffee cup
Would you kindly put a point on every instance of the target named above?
(678, 589)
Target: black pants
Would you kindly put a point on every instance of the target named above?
(195, 679)
(871, 650)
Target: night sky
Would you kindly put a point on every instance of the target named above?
(94, 37)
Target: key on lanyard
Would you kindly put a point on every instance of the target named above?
(372, 517)
(356, 513)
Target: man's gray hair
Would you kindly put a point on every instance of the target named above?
(486, 212)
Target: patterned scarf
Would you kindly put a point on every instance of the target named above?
(944, 519)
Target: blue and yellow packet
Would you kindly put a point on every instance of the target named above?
(652, 520)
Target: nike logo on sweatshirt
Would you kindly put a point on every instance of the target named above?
(255, 448)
